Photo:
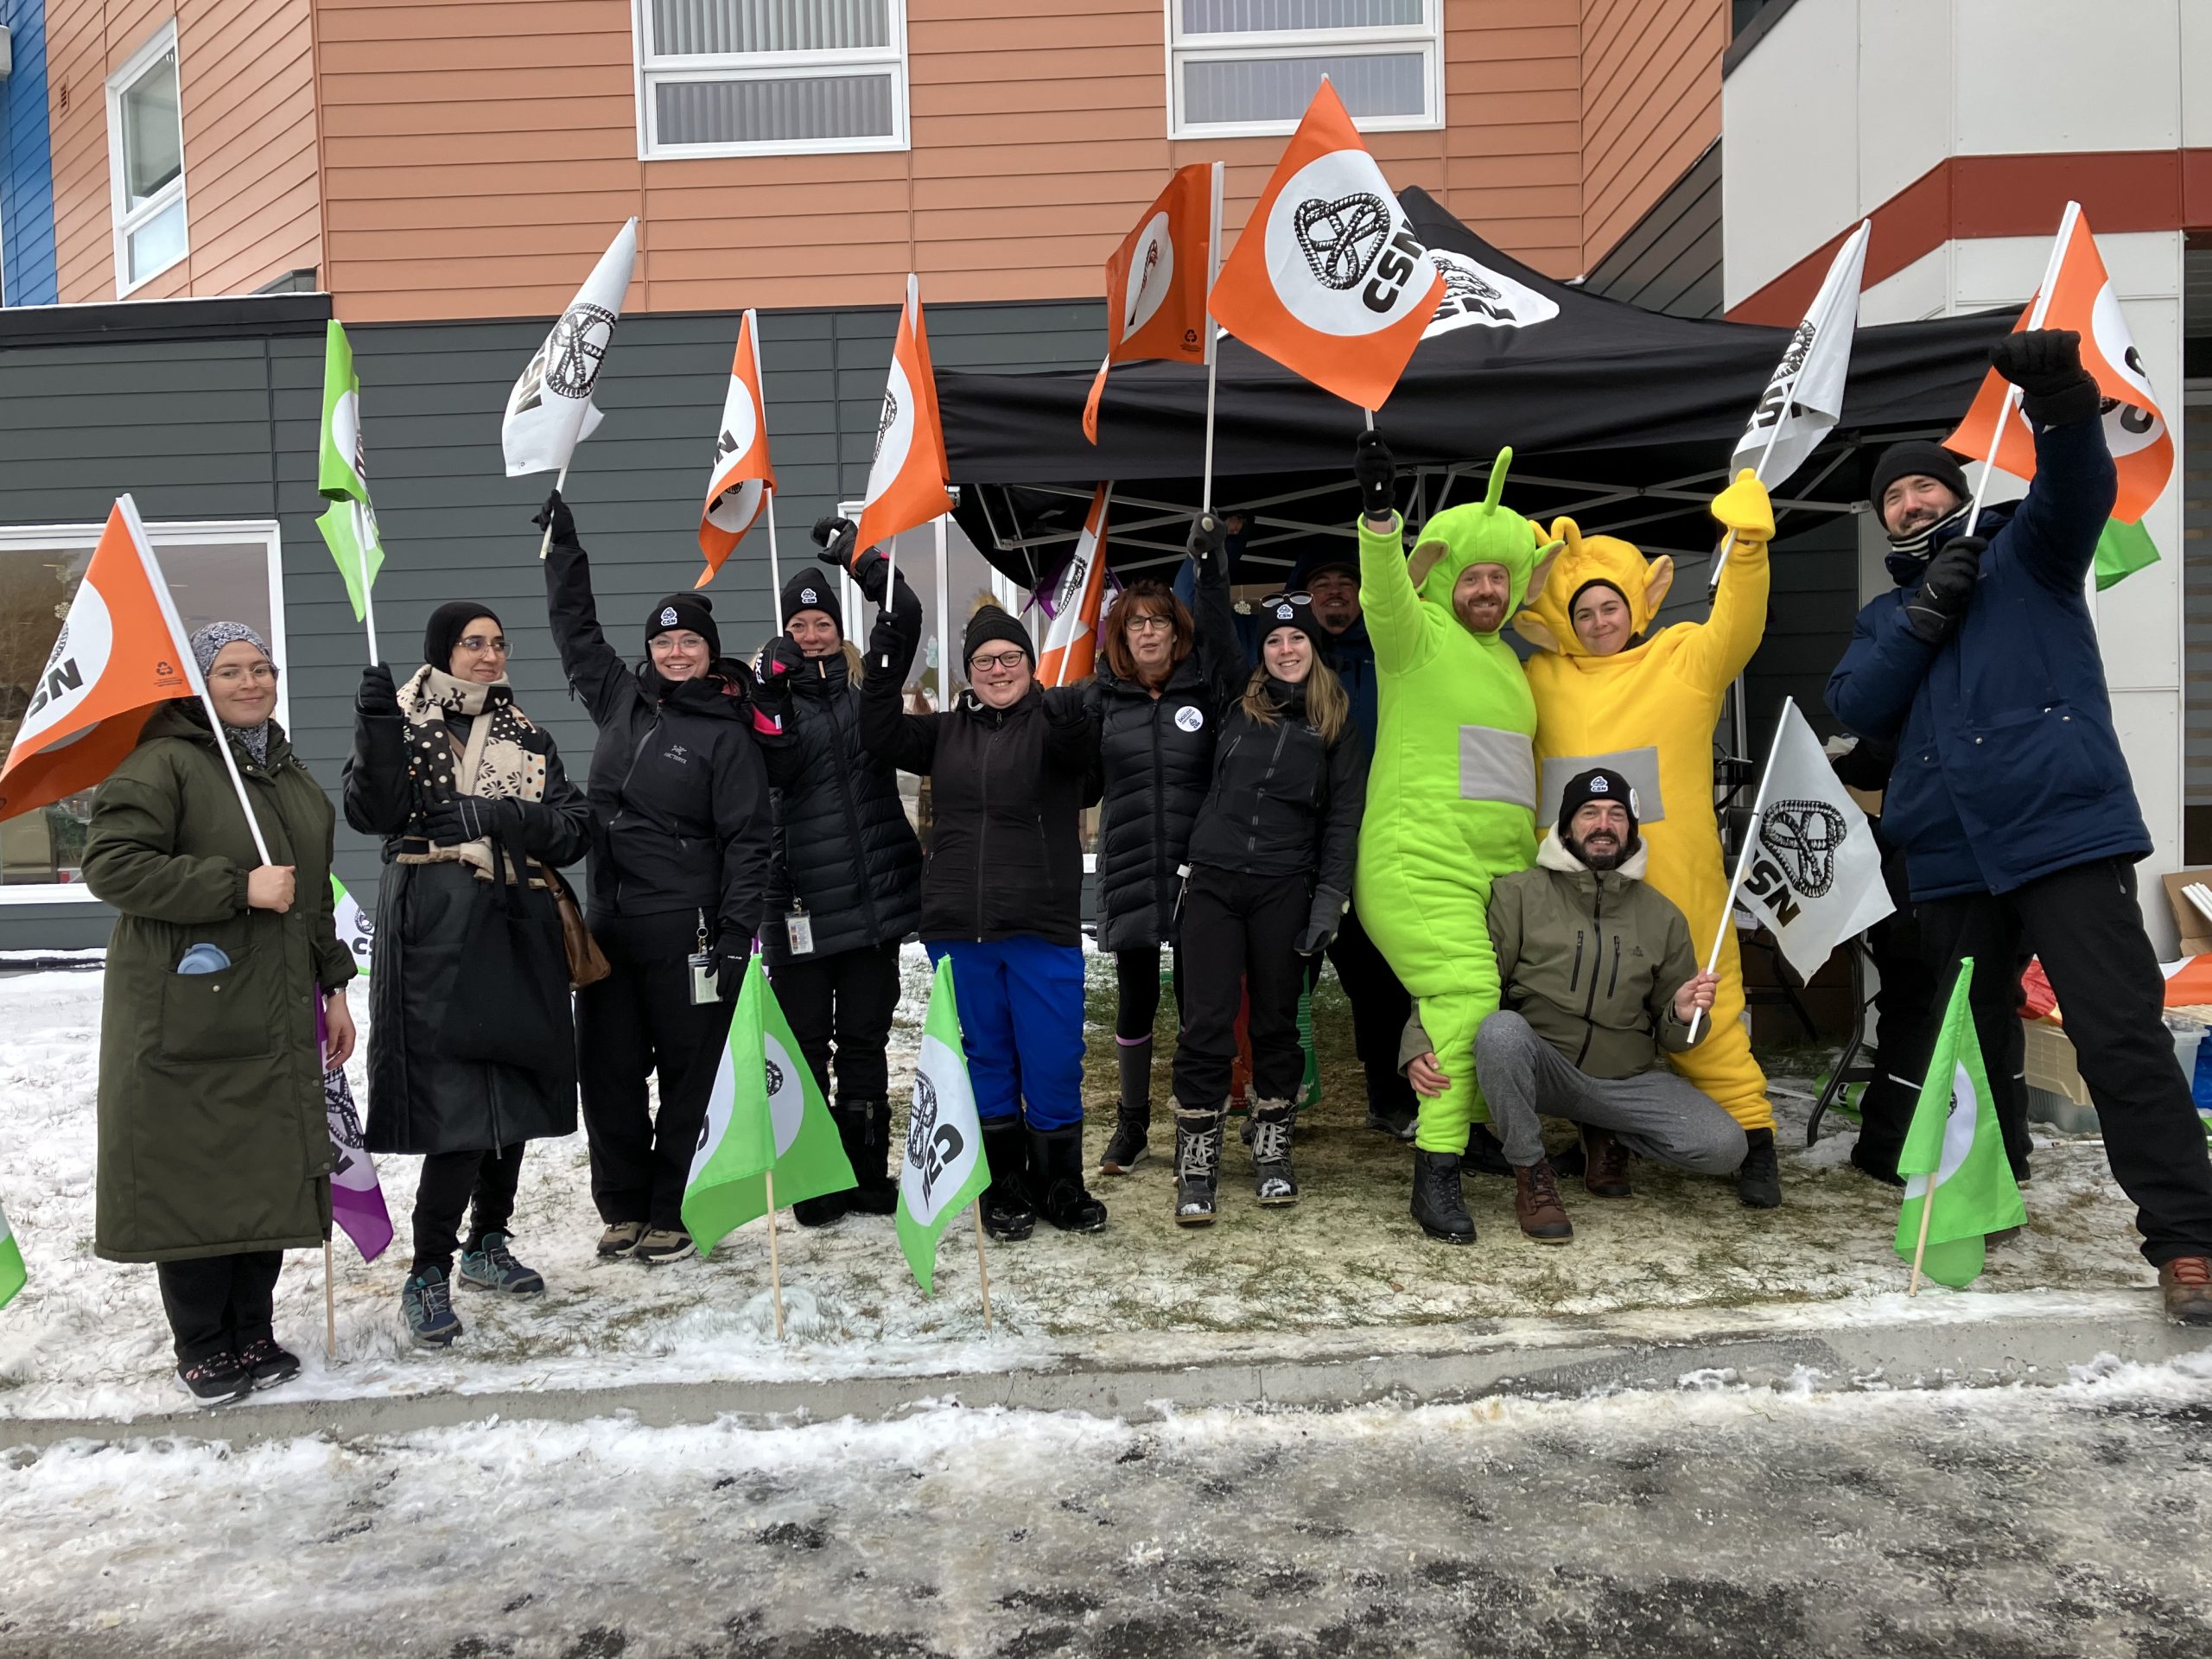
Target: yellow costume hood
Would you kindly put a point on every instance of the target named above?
(1583, 559)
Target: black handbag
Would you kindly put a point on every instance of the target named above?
(510, 1001)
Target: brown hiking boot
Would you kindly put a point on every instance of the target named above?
(2186, 1283)
(1605, 1169)
(1536, 1205)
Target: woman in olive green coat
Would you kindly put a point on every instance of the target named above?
(215, 1152)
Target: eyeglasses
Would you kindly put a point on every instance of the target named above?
(1150, 625)
(237, 673)
(1009, 660)
(478, 643)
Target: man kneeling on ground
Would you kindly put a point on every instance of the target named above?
(1598, 976)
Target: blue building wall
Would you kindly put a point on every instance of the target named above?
(27, 267)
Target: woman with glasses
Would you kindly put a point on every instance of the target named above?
(1166, 681)
(1002, 885)
(472, 1046)
(679, 870)
(1271, 864)
(215, 1155)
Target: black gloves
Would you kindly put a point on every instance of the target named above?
(378, 698)
(556, 517)
(872, 575)
(1323, 920)
(1209, 545)
(834, 536)
(453, 819)
(729, 969)
(2045, 363)
(1377, 469)
(1934, 608)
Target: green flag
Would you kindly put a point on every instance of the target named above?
(350, 527)
(11, 1263)
(765, 1111)
(1956, 1146)
(2122, 549)
(357, 929)
(945, 1169)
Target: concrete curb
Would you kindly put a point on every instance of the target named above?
(1982, 1343)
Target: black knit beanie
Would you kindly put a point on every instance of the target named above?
(446, 625)
(1290, 611)
(813, 590)
(992, 622)
(692, 611)
(1904, 461)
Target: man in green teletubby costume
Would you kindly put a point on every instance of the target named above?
(1451, 793)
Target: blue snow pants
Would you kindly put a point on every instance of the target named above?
(1021, 1025)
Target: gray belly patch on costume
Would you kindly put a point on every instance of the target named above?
(1497, 765)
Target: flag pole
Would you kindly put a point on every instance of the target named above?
(329, 1304)
(368, 593)
(2037, 313)
(775, 1270)
(1213, 334)
(983, 1266)
(1743, 860)
(559, 483)
(775, 571)
(760, 379)
(1920, 1249)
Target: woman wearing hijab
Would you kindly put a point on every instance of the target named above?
(471, 1048)
(679, 865)
(214, 1154)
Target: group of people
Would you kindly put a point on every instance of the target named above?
(1358, 767)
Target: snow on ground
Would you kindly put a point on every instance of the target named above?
(1724, 1523)
(87, 1337)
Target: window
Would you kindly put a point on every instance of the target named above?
(145, 150)
(216, 572)
(770, 77)
(1253, 66)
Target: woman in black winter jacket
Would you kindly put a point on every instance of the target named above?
(1002, 888)
(678, 869)
(472, 1046)
(845, 885)
(1271, 863)
(1167, 682)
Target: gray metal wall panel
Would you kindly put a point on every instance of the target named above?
(1669, 261)
(216, 429)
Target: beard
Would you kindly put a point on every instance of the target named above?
(1606, 856)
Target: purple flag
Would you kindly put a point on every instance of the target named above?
(356, 1199)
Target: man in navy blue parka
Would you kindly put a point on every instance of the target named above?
(2011, 796)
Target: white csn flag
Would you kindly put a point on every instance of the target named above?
(550, 410)
(1803, 399)
(1815, 875)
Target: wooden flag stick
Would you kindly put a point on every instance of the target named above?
(560, 482)
(1919, 1250)
(775, 1270)
(983, 1265)
(330, 1305)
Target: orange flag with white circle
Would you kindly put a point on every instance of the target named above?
(122, 652)
(2077, 293)
(906, 482)
(1071, 650)
(737, 488)
(1156, 283)
(1327, 276)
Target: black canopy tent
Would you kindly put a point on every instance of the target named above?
(1622, 417)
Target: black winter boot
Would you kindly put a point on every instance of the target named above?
(864, 1127)
(1272, 1180)
(1759, 1181)
(1133, 1114)
(1436, 1205)
(1198, 1164)
(1056, 1181)
(1007, 1212)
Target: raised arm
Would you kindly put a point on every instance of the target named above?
(379, 797)
(596, 672)
(1221, 653)
(1721, 646)
(1395, 625)
(907, 741)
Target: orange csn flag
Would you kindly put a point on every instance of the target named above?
(1156, 283)
(2077, 294)
(1071, 649)
(1327, 276)
(907, 484)
(121, 652)
(743, 476)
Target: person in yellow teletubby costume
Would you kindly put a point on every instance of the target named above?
(1451, 791)
(1610, 691)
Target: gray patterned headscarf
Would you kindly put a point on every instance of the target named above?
(207, 645)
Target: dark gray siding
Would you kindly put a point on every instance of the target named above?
(1670, 261)
(227, 428)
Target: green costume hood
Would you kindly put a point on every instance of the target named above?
(1482, 532)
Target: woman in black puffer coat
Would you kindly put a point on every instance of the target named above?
(1167, 682)
(845, 885)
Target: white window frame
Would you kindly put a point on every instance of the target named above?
(1386, 40)
(766, 66)
(165, 535)
(126, 220)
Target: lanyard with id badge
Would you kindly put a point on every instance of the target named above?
(798, 927)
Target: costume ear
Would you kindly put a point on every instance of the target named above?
(1424, 560)
(1657, 579)
(1547, 554)
(1569, 533)
(1532, 628)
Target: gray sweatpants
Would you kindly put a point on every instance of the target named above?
(1655, 1114)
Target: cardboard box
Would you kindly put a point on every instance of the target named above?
(2196, 927)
